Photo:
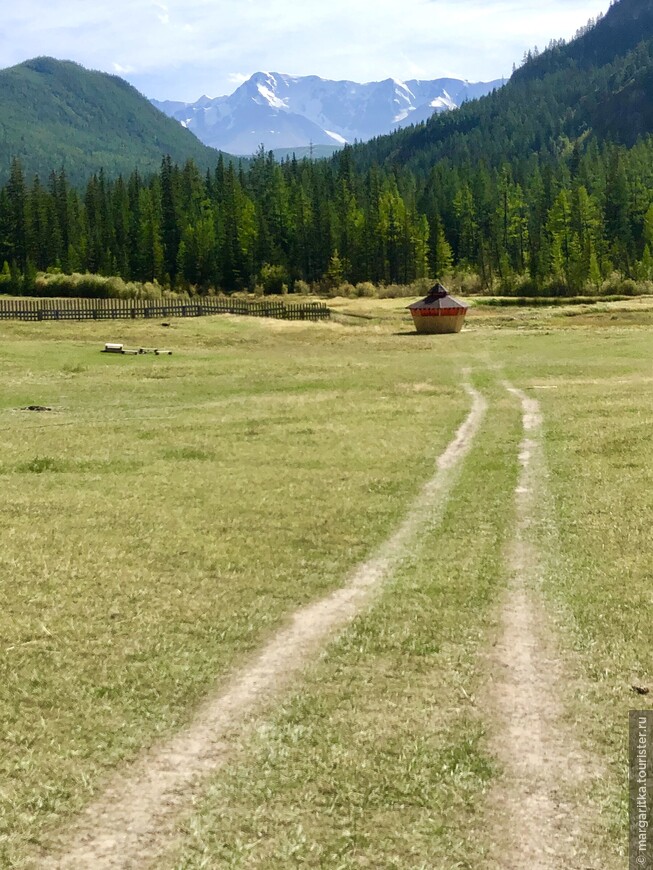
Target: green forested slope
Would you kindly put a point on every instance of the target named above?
(56, 114)
(545, 186)
(599, 82)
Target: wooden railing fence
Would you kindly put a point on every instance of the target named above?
(113, 309)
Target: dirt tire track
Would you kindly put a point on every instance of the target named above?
(134, 819)
(533, 820)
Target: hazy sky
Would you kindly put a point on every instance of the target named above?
(181, 49)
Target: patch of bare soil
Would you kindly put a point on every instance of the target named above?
(134, 819)
(533, 817)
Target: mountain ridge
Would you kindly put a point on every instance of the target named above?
(558, 97)
(283, 111)
(57, 114)
(544, 186)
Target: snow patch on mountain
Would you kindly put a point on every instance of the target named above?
(336, 137)
(271, 97)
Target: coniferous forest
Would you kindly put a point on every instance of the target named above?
(543, 187)
(555, 227)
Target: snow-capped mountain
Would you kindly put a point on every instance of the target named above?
(282, 111)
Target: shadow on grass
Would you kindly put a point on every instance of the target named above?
(424, 335)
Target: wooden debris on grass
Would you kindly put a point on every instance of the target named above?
(111, 347)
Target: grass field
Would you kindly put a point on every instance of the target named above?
(170, 513)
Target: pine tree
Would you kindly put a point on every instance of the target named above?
(441, 252)
(16, 204)
(170, 214)
(617, 213)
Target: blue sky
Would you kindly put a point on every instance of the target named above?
(181, 49)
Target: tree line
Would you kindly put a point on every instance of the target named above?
(546, 223)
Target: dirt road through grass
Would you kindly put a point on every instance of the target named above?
(533, 821)
(131, 822)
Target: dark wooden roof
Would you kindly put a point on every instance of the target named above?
(437, 297)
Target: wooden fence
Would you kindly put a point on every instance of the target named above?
(114, 309)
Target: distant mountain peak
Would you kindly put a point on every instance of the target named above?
(284, 111)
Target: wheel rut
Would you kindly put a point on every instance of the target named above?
(533, 822)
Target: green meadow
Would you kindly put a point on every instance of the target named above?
(169, 513)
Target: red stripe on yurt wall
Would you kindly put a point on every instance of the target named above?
(440, 312)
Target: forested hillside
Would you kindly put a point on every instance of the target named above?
(597, 83)
(545, 186)
(56, 114)
(564, 228)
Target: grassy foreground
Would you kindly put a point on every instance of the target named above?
(596, 393)
(168, 513)
(379, 759)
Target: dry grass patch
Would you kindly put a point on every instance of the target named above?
(594, 532)
(379, 760)
(157, 529)
(169, 514)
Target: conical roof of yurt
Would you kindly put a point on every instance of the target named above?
(438, 312)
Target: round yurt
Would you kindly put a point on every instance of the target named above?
(438, 312)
